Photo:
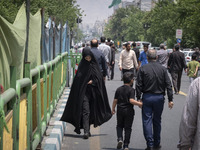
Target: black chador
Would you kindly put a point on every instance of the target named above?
(88, 101)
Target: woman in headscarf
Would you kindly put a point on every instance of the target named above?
(88, 101)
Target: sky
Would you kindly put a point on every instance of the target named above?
(95, 10)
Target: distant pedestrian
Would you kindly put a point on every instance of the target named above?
(176, 64)
(162, 56)
(197, 53)
(143, 56)
(136, 50)
(108, 41)
(81, 48)
(99, 57)
(152, 81)
(88, 101)
(112, 62)
(128, 60)
(125, 99)
(105, 49)
(189, 129)
(192, 68)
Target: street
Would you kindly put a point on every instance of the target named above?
(104, 137)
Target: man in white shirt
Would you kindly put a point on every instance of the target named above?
(105, 49)
(127, 60)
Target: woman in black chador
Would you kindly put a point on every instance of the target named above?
(88, 101)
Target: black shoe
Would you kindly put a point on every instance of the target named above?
(90, 134)
(149, 148)
(86, 136)
(176, 93)
(126, 147)
(119, 145)
(157, 147)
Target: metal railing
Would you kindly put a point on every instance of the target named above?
(26, 108)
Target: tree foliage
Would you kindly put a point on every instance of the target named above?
(163, 19)
(60, 10)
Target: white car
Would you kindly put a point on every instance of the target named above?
(188, 55)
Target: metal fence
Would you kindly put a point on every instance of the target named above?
(26, 107)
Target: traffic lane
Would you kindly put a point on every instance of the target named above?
(170, 120)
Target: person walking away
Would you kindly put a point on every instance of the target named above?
(81, 48)
(99, 56)
(176, 64)
(162, 56)
(189, 129)
(128, 60)
(88, 101)
(192, 68)
(136, 50)
(143, 56)
(112, 62)
(152, 81)
(125, 99)
(105, 49)
(197, 53)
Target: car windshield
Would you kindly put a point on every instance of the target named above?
(185, 53)
(190, 54)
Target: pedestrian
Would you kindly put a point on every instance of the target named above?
(105, 49)
(162, 56)
(136, 50)
(81, 48)
(197, 53)
(143, 56)
(88, 101)
(99, 57)
(152, 81)
(192, 68)
(128, 60)
(176, 64)
(189, 129)
(112, 62)
(125, 99)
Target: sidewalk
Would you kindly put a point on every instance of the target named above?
(53, 137)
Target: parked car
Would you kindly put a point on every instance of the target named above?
(188, 56)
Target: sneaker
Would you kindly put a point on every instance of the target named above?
(126, 148)
(119, 145)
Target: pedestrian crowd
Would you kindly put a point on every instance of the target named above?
(88, 100)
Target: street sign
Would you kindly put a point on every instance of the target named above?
(178, 40)
(179, 33)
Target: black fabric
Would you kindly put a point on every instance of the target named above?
(176, 61)
(123, 94)
(124, 121)
(153, 78)
(176, 80)
(100, 111)
(137, 53)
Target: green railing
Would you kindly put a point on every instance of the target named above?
(26, 108)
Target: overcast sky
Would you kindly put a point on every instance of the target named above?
(95, 10)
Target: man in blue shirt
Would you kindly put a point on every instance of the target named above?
(143, 57)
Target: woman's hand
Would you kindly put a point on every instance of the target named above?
(90, 82)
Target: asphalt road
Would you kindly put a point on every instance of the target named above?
(104, 137)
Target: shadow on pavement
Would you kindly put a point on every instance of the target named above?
(116, 148)
(81, 136)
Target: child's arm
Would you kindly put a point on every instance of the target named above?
(114, 105)
(134, 102)
(197, 67)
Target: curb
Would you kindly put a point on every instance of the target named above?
(53, 137)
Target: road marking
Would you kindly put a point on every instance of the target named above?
(95, 140)
(182, 93)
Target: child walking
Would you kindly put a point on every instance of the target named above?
(192, 70)
(124, 99)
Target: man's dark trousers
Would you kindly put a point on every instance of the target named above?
(124, 121)
(151, 115)
(176, 80)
